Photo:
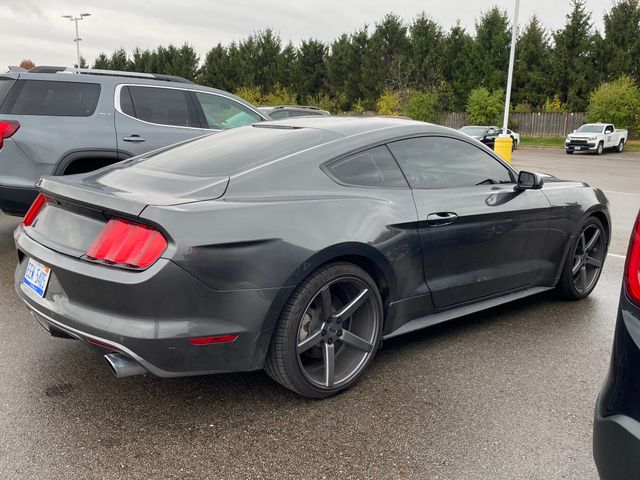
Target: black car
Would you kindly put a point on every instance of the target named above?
(486, 135)
(290, 111)
(616, 429)
(297, 246)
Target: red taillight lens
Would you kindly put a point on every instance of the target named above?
(632, 268)
(127, 244)
(34, 210)
(7, 128)
(212, 340)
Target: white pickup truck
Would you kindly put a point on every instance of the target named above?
(595, 137)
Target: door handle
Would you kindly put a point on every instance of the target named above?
(441, 218)
(134, 139)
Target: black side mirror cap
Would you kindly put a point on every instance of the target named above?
(529, 181)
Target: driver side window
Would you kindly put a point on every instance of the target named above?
(444, 162)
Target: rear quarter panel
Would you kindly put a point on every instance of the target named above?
(571, 204)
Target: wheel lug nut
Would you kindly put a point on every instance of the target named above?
(339, 333)
(324, 332)
(330, 341)
(339, 321)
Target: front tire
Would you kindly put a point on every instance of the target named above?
(328, 332)
(569, 152)
(600, 149)
(583, 266)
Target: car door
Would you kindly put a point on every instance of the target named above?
(218, 112)
(609, 137)
(150, 117)
(490, 138)
(479, 236)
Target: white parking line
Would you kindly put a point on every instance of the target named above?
(616, 255)
(621, 193)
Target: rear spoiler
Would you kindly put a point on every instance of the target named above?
(66, 189)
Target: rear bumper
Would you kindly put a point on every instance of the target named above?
(16, 200)
(616, 446)
(151, 315)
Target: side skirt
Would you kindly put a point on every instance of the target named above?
(435, 318)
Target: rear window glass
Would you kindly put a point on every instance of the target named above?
(5, 86)
(236, 150)
(372, 168)
(164, 106)
(67, 99)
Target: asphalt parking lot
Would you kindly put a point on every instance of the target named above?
(508, 393)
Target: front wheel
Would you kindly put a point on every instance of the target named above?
(569, 152)
(584, 262)
(328, 332)
(600, 149)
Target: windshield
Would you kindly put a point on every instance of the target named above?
(473, 131)
(590, 128)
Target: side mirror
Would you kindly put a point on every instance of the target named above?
(529, 181)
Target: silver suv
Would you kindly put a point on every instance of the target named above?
(61, 121)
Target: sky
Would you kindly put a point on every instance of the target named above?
(34, 29)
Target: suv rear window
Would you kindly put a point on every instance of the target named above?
(5, 85)
(67, 99)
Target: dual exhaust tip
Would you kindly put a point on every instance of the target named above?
(124, 366)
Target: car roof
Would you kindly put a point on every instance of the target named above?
(348, 126)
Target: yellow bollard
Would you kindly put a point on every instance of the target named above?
(503, 147)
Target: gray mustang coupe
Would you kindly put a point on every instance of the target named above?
(297, 246)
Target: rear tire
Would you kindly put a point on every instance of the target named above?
(583, 266)
(328, 332)
(620, 147)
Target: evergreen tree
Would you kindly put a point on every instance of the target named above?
(492, 47)
(621, 43)
(531, 84)
(425, 42)
(313, 73)
(458, 68)
(573, 58)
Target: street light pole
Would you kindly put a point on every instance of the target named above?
(77, 39)
(503, 145)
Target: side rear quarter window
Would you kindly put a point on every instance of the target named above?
(163, 106)
(444, 162)
(67, 99)
(222, 113)
(370, 168)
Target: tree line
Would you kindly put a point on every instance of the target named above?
(417, 62)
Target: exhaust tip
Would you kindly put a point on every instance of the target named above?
(123, 366)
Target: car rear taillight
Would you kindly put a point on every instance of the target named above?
(7, 128)
(34, 210)
(127, 244)
(632, 268)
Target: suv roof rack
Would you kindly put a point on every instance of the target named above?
(306, 107)
(114, 73)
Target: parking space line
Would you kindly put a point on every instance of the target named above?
(621, 193)
(616, 255)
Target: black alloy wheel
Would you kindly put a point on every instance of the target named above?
(328, 333)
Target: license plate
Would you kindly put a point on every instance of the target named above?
(36, 277)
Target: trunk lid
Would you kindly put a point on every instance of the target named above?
(129, 190)
(82, 204)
